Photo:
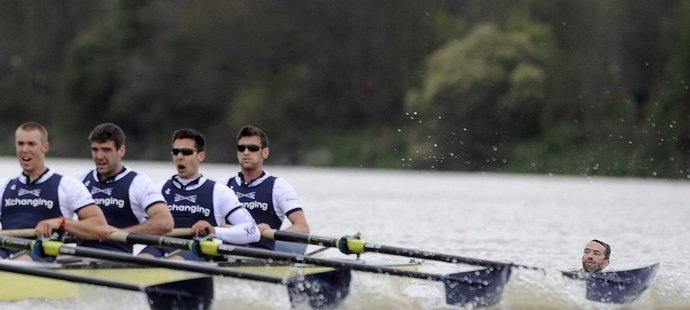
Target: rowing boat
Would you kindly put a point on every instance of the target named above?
(618, 287)
(323, 286)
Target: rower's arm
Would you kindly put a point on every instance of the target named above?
(299, 222)
(159, 222)
(243, 229)
(91, 224)
(285, 197)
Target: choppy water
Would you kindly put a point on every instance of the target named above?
(532, 220)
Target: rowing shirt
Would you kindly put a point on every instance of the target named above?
(24, 204)
(124, 199)
(190, 201)
(269, 200)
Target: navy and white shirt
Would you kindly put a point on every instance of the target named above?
(124, 200)
(24, 204)
(202, 199)
(269, 200)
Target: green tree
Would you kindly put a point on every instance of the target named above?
(479, 96)
(668, 148)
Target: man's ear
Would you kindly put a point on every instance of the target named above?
(606, 262)
(265, 152)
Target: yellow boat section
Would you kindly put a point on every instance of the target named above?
(18, 287)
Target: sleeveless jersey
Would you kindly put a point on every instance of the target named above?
(113, 198)
(24, 205)
(259, 201)
(189, 206)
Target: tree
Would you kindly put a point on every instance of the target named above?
(479, 96)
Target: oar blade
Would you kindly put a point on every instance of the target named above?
(477, 288)
(194, 293)
(619, 287)
(323, 290)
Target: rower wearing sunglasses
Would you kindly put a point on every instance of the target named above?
(199, 203)
(269, 199)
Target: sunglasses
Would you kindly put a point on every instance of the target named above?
(250, 147)
(185, 151)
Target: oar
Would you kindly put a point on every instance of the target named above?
(194, 293)
(317, 289)
(350, 245)
(21, 233)
(482, 287)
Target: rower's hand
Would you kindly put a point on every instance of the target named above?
(202, 228)
(263, 227)
(107, 231)
(45, 228)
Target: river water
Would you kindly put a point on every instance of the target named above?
(536, 220)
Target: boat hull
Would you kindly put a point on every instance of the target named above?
(617, 287)
(317, 286)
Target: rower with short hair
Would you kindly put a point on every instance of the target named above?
(199, 203)
(129, 200)
(269, 199)
(595, 256)
(43, 199)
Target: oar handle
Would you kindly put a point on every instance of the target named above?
(180, 232)
(21, 233)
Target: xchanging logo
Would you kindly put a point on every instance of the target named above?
(110, 201)
(190, 209)
(36, 202)
(255, 205)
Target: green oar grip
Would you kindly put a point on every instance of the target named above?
(209, 247)
(50, 247)
(348, 245)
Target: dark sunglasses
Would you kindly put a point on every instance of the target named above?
(185, 151)
(250, 147)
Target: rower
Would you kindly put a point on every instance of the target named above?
(129, 200)
(596, 256)
(269, 199)
(199, 203)
(42, 199)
